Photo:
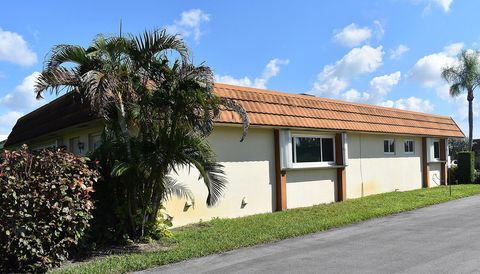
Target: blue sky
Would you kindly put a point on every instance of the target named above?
(386, 53)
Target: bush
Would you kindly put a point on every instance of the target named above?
(466, 167)
(44, 208)
(453, 175)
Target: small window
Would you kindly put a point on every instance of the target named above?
(436, 149)
(409, 147)
(389, 146)
(312, 149)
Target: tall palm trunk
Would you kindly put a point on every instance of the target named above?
(470, 119)
(122, 122)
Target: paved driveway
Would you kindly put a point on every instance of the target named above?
(443, 238)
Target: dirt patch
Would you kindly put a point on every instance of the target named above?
(98, 253)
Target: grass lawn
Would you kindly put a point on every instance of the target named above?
(226, 234)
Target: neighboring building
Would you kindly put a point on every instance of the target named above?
(300, 150)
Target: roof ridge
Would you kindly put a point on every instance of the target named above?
(314, 98)
(48, 104)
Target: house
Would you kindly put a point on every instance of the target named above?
(300, 150)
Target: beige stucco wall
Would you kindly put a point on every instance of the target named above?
(370, 171)
(63, 137)
(249, 168)
(307, 187)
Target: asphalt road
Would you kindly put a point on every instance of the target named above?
(444, 238)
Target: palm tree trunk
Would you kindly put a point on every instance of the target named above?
(470, 119)
(124, 128)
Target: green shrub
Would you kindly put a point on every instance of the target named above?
(453, 174)
(44, 208)
(466, 167)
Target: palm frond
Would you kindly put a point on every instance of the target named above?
(56, 79)
(455, 89)
(234, 106)
(153, 42)
(120, 168)
(213, 176)
(451, 74)
(61, 54)
(175, 189)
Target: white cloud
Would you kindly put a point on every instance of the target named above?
(453, 49)
(23, 97)
(378, 89)
(271, 70)
(411, 103)
(398, 51)
(18, 102)
(335, 78)
(381, 85)
(189, 24)
(228, 79)
(356, 62)
(428, 69)
(443, 4)
(14, 49)
(352, 35)
(427, 73)
(7, 121)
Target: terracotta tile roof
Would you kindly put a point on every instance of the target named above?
(265, 108)
(271, 108)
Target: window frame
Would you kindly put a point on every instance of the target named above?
(91, 143)
(312, 164)
(389, 145)
(433, 149)
(413, 146)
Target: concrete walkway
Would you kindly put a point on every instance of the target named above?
(444, 238)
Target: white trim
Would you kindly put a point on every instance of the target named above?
(389, 152)
(285, 148)
(432, 150)
(312, 164)
(345, 148)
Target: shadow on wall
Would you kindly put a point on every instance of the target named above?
(311, 175)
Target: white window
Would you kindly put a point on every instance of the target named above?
(436, 150)
(409, 146)
(310, 151)
(389, 146)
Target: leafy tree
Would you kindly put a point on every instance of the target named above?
(465, 76)
(457, 145)
(159, 110)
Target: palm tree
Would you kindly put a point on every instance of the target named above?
(465, 76)
(158, 112)
(103, 73)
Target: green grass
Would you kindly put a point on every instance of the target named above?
(221, 235)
